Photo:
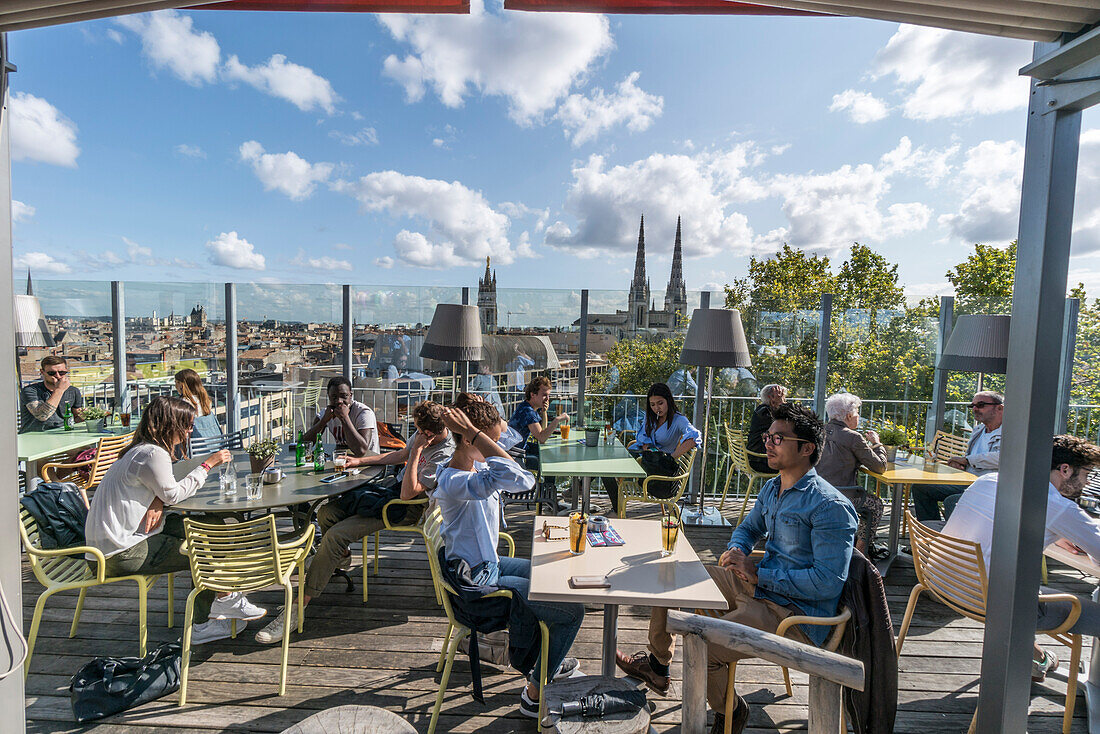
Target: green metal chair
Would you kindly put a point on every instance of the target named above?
(65, 568)
(416, 528)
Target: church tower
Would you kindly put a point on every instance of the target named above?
(638, 300)
(676, 302)
(487, 299)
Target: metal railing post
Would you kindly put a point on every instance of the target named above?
(349, 329)
(464, 367)
(1065, 375)
(582, 361)
(824, 336)
(232, 397)
(938, 408)
(118, 346)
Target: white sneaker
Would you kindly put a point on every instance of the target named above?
(235, 606)
(210, 630)
(273, 632)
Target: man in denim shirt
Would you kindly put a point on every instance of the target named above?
(810, 528)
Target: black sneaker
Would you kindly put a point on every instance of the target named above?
(737, 723)
(527, 707)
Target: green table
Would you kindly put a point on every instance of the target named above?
(573, 458)
(37, 445)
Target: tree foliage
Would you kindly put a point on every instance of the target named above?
(983, 282)
(641, 362)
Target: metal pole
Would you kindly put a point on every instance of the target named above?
(938, 409)
(118, 347)
(1034, 350)
(824, 335)
(706, 430)
(232, 398)
(1065, 381)
(465, 366)
(700, 415)
(349, 331)
(582, 361)
(11, 687)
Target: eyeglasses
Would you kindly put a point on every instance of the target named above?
(982, 404)
(57, 373)
(548, 534)
(777, 439)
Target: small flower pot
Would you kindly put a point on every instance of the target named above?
(94, 426)
(259, 464)
(891, 453)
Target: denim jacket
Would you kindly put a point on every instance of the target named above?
(810, 530)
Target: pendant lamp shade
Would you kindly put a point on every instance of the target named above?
(454, 334)
(30, 323)
(716, 338)
(978, 343)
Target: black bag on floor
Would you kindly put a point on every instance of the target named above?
(106, 686)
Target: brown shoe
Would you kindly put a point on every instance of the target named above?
(739, 720)
(637, 666)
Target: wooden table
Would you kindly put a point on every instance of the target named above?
(1085, 565)
(637, 572)
(573, 458)
(902, 475)
(34, 446)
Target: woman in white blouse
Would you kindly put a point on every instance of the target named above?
(126, 520)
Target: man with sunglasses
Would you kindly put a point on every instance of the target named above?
(983, 456)
(810, 528)
(43, 403)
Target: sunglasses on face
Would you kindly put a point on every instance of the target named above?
(777, 439)
(57, 373)
(981, 404)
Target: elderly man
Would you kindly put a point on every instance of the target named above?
(810, 528)
(1071, 461)
(983, 456)
(771, 397)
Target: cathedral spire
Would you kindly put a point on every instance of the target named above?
(30, 288)
(639, 259)
(638, 298)
(676, 292)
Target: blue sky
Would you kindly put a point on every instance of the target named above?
(325, 148)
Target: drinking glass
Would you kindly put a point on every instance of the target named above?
(564, 431)
(255, 486)
(227, 481)
(670, 530)
(340, 460)
(125, 418)
(578, 532)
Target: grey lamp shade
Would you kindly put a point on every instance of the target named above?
(30, 323)
(454, 334)
(716, 338)
(978, 343)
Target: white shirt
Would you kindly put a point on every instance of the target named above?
(362, 417)
(973, 519)
(142, 474)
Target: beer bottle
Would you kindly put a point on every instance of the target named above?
(318, 456)
(67, 417)
(299, 451)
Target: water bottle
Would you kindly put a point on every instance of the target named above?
(318, 457)
(67, 417)
(228, 481)
(300, 451)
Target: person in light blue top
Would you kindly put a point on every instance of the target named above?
(468, 493)
(665, 429)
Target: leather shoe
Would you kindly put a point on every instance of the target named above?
(637, 666)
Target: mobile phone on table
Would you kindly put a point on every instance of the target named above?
(333, 477)
(589, 582)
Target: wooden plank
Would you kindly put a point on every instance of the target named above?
(695, 685)
(825, 715)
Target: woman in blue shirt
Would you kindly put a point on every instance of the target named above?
(665, 429)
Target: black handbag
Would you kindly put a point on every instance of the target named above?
(660, 463)
(106, 686)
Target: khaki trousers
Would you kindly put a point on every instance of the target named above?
(744, 609)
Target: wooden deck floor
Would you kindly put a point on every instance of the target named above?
(384, 653)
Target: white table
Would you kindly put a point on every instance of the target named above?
(1086, 565)
(636, 570)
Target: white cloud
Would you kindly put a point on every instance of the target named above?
(862, 107)
(989, 185)
(39, 132)
(364, 136)
(585, 117)
(135, 251)
(115, 36)
(169, 41)
(931, 165)
(324, 262)
(437, 142)
(952, 74)
(190, 151)
(297, 84)
(386, 262)
(342, 246)
(463, 228)
(41, 262)
(232, 251)
(286, 172)
(21, 212)
(1086, 218)
(530, 59)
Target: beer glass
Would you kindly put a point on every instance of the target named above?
(578, 533)
(670, 529)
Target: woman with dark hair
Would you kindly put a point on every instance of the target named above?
(126, 520)
(665, 429)
(189, 386)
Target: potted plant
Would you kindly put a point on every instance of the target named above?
(261, 454)
(94, 417)
(893, 437)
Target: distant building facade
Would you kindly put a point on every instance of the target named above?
(487, 299)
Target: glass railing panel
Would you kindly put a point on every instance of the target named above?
(78, 318)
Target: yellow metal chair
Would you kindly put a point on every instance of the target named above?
(456, 631)
(246, 556)
(739, 461)
(106, 453)
(310, 398)
(417, 528)
(953, 571)
(65, 568)
(630, 489)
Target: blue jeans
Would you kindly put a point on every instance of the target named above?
(927, 499)
(564, 620)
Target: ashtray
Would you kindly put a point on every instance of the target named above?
(273, 476)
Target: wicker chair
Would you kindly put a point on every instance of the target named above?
(106, 453)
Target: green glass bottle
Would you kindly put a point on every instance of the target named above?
(318, 457)
(300, 451)
(67, 417)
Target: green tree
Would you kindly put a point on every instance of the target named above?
(641, 362)
(789, 280)
(983, 282)
(867, 280)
